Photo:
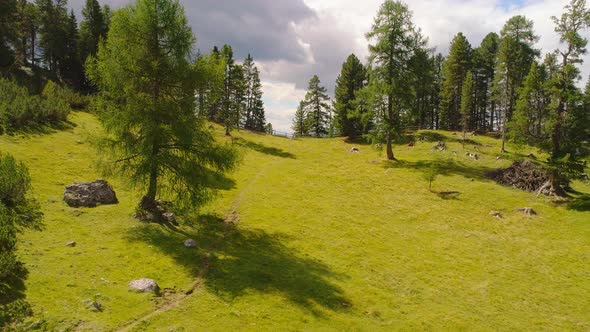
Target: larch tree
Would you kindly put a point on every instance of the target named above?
(147, 98)
(456, 66)
(393, 42)
(317, 107)
(352, 78)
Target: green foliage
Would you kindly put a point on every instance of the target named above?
(394, 41)
(254, 118)
(352, 78)
(467, 101)
(456, 66)
(17, 210)
(148, 106)
(484, 64)
(316, 108)
(209, 78)
(19, 110)
(7, 33)
(300, 121)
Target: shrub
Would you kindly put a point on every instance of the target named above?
(19, 110)
(16, 210)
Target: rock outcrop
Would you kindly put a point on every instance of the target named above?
(90, 194)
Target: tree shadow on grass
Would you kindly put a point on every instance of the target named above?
(580, 203)
(269, 150)
(242, 261)
(40, 129)
(443, 167)
(430, 136)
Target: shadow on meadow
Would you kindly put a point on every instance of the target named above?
(269, 150)
(445, 167)
(241, 261)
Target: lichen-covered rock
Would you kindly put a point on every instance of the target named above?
(144, 285)
(90, 194)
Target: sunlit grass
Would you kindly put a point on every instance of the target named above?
(326, 240)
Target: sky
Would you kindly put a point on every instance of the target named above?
(291, 40)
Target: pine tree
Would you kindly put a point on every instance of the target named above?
(395, 41)
(317, 107)
(467, 103)
(210, 80)
(300, 123)
(484, 70)
(515, 56)
(254, 117)
(351, 79)
(92, 29)
(8, 17)
(456, 67)
(159, 142)
(527, 125)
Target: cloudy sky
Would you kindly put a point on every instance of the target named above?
(293, 39)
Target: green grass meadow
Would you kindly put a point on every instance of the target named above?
(321, 239)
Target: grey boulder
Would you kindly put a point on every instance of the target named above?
(144, 285)
(90, 194)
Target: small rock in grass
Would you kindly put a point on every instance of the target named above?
(169, 217)
(496, 214)
(93, 305)
(354, 150)
(71, 244)
(144, 285)
(498, 157)
(190, 243)
(528, 211)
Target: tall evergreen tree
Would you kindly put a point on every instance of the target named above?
(456, 67)
(210, 80)
(484, 70)
(527, 125)
(158, 140)
(317, 107)
(254, 117)
(93, 28)
(395, 40)
(515, 55)
(300, 122)
(352, 78)
(8, 16)
(467, 103)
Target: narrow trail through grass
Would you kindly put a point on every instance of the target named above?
(326, 240)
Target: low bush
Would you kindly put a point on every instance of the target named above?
(20, 110)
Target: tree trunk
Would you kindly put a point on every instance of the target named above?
(389, 148)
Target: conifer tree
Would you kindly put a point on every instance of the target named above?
(393, 43)
(352, 78)
(300, 122)
(317, 107)
(155, 136)
(484, 70)
(92, 29)
(467, 103)
(456, 67)
(210, 80)
(8, 16)
(254, 117)
(515, 56)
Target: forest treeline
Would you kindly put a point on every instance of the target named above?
(502, 85)
(42, 41)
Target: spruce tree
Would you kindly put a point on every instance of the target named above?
(254, 108)
(317, 107)
(92, 29)
(484, 70)
(300, 122)
(352, 78)
(456, 67)
(394, 40)
(155, 136)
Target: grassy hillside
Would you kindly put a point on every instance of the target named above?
(321, 239)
